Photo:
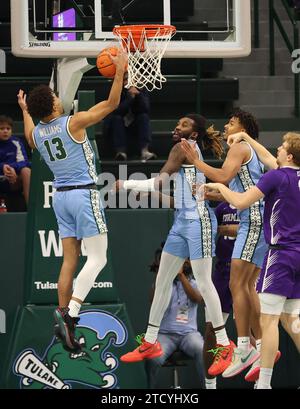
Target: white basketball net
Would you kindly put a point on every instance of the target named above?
(144, 66)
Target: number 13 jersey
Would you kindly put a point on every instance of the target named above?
(71, 162)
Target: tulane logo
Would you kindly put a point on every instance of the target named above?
(93, 366)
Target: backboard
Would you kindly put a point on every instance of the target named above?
(205, 28)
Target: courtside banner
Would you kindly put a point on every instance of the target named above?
(37, 360)
(44, 253)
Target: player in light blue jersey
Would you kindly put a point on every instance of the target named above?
(242, 170)
(63, 144)
(191, 236)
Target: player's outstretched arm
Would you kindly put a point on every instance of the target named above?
(175, 160)
(166, 201)
(234, 160)
(28, 122)
(214, 196)
(264, 155)
(82, 120)
(239, 200)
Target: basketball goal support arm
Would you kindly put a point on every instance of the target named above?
(66, 77)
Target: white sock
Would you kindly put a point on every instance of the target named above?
(151, 334)
(265, 376)
(243, 343)
(74, 308)
(202, 273)
(221, 337)
(258, 345)
(211, 383)
(96, 247)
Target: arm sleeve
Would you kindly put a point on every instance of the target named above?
(270, 181)
(140, 185)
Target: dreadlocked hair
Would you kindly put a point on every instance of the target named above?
(209, 139)
(212, 140)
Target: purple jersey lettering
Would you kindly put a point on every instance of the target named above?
(226, 214)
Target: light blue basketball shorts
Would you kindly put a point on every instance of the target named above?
(79, 213)
(250, 243)
(192, 238)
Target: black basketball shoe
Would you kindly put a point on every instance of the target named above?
(65, 328)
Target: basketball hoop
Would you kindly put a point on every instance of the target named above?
(145, 45)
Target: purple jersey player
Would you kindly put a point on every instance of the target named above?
(227, 228)
(279, 281)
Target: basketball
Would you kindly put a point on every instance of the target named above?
(104, 63)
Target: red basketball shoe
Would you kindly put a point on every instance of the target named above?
(145, 350)
(222, 359)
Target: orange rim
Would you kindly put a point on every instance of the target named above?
(150, 29)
